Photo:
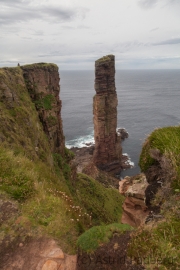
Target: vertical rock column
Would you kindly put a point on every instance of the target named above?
(108, 151)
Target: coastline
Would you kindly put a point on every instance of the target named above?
(84, 154)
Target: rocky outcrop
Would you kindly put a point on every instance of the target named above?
(42, 82)
(123, 133)
(40, 254)
(83, 156)
(135, 210)
(107, 153)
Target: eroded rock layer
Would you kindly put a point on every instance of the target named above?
(42, 82)
(107, 153)
(135, 210)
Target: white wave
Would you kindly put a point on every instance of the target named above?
(128, 162)
(121, 128)
(80, 141)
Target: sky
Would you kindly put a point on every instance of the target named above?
(142, 34)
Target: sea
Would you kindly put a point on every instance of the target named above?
(147, 99)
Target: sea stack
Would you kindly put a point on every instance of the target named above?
(107, 153)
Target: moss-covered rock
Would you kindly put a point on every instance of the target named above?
(163, 142)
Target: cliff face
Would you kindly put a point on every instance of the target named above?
(20, 128)
(108, 152)
(42, 82)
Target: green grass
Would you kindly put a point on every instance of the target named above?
(20, 176)
(40, 65)
(45, 102)
(49, 213)
(105, 204)
(43, 196)
(160, 244)
(104, 59)
(16, 175)
(52, 121)
(47, 203)
(98, 235)
(62, 166)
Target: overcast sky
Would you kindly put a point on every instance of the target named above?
(74, 33)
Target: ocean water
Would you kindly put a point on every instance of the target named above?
(147, 99)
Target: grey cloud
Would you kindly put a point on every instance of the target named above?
(83, 27)
(56, 13)
(173, 1)
(14, 2)
(146, 4)
(16, 16)
(168, 42)
(129, 44)
(54, 53)
(67, 27)
(9, 62)
(38, 33)
(75, 60)
(135, 62)
(22, 12)
(154, 29)
(26, 38)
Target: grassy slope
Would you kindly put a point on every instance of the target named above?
(39, 181)
(159, 244)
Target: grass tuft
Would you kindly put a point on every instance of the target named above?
(160, 244)
(98, 235)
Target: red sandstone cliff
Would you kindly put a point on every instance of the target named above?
(108, 152)
(42, 82)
